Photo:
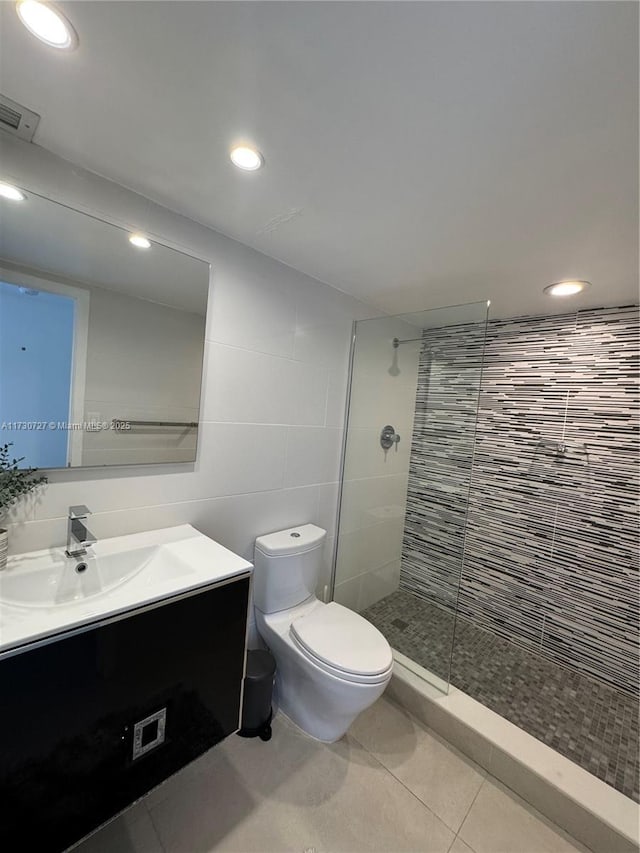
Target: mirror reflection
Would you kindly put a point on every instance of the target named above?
(101, 340)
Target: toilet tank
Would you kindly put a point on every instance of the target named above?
(287, 566)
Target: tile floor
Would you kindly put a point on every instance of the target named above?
(589, 722)
(389, 785)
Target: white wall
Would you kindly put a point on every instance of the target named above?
(375, 482)
(143, 363)
(275, 373)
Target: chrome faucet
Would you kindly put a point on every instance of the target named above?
(78, 537)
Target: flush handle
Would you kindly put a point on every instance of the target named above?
(389, 437)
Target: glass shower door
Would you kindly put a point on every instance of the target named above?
(415, 381)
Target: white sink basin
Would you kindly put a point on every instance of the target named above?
(44, 592)
(57, 579)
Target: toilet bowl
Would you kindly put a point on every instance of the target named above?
(331, 663)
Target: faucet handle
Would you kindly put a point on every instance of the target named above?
(80, 511)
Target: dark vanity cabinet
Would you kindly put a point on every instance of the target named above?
(95, 718)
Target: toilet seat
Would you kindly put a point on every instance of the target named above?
(341, 675)
(342, 643)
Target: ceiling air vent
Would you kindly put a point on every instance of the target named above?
(16, 119)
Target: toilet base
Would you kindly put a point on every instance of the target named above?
(328, 716)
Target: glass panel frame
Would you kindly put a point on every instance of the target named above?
(390, 510)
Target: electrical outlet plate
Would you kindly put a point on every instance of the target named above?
(149, 733)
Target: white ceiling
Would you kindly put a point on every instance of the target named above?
(417, 154)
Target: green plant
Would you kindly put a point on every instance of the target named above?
(15, 481)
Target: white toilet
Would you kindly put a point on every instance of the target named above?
(331, 663)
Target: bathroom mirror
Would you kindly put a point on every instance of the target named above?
(101, 341)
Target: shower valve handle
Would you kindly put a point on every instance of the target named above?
(389, 437)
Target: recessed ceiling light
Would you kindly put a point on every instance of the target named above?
(11, 192)
(140, 241)
(47, 23)
(566, 288)
(247, 158)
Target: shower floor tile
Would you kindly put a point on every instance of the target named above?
(417, 629)
(590, 723)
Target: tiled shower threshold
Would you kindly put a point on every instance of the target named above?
(596, 814)
(590, 723)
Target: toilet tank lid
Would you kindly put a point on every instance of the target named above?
(294, 540)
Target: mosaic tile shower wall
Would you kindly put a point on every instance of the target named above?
(551, 550)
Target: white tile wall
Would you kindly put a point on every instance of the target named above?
(336, 395)
(274, 384)
(313, 455)
(251, 387)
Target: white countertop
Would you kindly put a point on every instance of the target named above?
(174, 560)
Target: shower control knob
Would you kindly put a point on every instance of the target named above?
(388, 437)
